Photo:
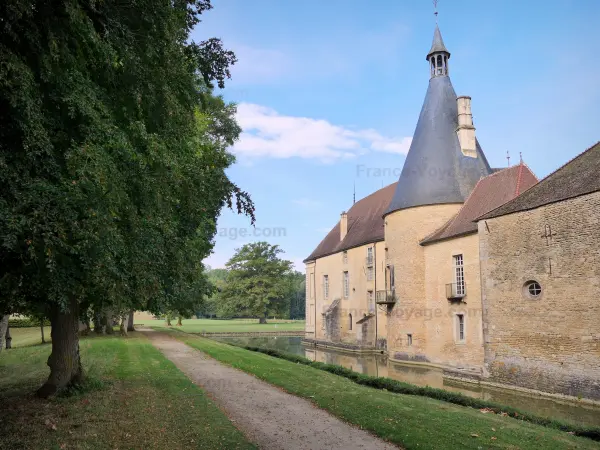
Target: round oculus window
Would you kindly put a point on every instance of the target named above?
(533, 289)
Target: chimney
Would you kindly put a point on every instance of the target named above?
(343, 225)
(465, 129)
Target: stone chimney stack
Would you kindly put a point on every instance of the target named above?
(343, 225)
(465, 129)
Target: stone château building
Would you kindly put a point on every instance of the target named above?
(486, 273)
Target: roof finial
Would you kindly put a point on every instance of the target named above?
(435, 11)
(508, 158)
(354, 197)
(521, 157)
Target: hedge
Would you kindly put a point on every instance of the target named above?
(400, 387)
(25, 323)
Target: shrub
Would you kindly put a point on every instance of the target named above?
(25, 322)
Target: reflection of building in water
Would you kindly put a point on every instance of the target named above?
(485, 272)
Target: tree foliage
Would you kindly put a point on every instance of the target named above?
(257, 284)
(112, 156)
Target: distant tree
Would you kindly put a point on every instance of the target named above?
(298, 296)
(257, 283)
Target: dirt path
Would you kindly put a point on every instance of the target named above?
(269, 417)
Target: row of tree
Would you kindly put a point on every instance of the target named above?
(256, 282)
(113, 150)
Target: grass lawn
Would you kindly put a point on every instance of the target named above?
(410, 421)
(233, 325)
(23, 337)
(135, 398)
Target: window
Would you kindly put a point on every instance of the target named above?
(390, 281)
(346, 285)
(409, 339)
(350, 320)
(459, 274)
(345, 257)
(532, 289)
(460, 327)
(326, 286)
(370, 273)
(369, 256)
(370, 296)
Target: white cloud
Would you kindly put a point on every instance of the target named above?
(270, 134)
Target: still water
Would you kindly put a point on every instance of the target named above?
(378, 365)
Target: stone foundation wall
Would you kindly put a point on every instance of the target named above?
(550, 342)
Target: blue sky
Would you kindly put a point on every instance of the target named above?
(330, 91)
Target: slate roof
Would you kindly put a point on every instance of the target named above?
(578, 177)
(438, 43)
(489, 193)
(365, 225)
(435, 170)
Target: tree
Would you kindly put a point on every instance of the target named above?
(298, 296)
(256, 281)
(113, 156)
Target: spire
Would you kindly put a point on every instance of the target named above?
(438, 43)
(438, 55)
(436, 169)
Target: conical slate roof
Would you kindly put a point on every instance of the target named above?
(435, 170)
(438, 43)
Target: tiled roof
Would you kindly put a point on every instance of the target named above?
(489, 193)
(365, 224)
(579, 176)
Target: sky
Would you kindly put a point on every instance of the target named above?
(329, 93)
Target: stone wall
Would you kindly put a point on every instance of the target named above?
(403, 231)
(353, 308)
(442, 344)
(550, 343)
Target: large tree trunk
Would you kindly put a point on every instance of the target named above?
(8, 338)
(179, 324)
(42, 330)
(263, 319)
(98, 325)
(64, 362)
(108, 322)
(130, 321)
(168, 321)
(3, 328)
(123, 327)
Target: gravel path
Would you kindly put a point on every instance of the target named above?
(268, 416)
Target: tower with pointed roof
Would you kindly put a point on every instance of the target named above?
(437, 170)
(443, 165)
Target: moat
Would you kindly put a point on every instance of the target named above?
(379, 365)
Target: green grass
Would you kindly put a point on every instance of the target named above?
(409, 421)
(134, 398)
(233, 325)
(23, 337)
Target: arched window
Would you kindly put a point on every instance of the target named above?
(350, 317)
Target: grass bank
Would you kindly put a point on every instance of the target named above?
(399, 387)
(407, 420)
(135, 398)
(228, 326)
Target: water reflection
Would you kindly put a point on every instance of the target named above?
(378, 365)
